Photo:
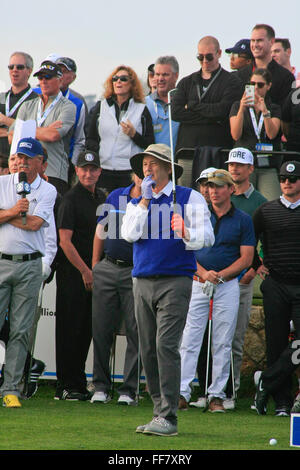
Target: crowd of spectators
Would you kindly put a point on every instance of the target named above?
(242, 155)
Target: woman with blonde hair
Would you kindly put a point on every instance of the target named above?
(120, 126)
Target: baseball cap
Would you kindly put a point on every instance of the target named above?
(88, 157)
(240, 155)
(52, 57)
(241, 47)
(291, 168)
(30, 147)
(204, 173)
(220, 177)
(49, 68)
(67, 62)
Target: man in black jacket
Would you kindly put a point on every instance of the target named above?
(261, 42)
(203, 100)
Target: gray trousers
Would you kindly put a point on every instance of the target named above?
(161, 307)
(19, 288)
(113, 303)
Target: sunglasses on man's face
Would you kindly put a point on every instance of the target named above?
(208, 57)
(18, 66)
(45, 76)
(122, 78)
(259, 84)
(291, 179)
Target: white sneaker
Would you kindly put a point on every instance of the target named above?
(229, 403)
(126, 400)
(200, 403)
(100, 397)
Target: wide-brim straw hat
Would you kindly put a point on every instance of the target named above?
(161, 152)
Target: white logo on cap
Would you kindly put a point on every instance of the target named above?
(25, 144)
(243, 46)
(48, 67)
(290, 167)
(89, 157)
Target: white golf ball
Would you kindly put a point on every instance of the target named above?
(273, 442)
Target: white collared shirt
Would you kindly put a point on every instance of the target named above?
(201, 234)
(41, 199)
(289, 204)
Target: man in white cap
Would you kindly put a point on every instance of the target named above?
(248, 199)
(163, 267)
(217, 270)
(202, 180)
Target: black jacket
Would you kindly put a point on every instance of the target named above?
(205, 121)
(282, 80)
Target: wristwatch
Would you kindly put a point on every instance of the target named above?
(267, 114)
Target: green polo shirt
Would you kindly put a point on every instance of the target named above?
(249, 201)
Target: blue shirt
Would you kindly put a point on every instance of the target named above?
(232, 230)
(160, 120)
(112, 212)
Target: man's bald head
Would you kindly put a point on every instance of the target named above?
(209, 40)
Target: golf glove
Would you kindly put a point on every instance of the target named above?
(208, 288)
(146, 187)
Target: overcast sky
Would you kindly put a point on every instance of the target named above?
(100, 35)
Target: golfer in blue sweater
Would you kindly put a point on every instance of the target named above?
(164, 263)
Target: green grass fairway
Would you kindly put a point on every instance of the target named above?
(46, 424)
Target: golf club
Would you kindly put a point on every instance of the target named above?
(232, 376)
(211, 303)
(171, 146)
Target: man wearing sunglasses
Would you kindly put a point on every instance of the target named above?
(203, 100)
(55, 116)
(77, 143)
(277, 224)
(19, 68)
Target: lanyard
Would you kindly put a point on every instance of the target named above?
(257, 128)
(41, 117)
(208, 87)
(9, 112)
(157, 112)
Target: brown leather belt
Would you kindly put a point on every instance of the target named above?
(198, 278)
